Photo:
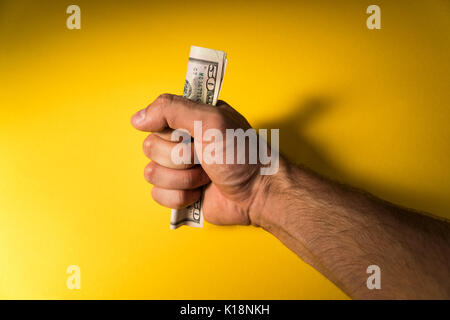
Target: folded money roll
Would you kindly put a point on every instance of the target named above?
(204, 77)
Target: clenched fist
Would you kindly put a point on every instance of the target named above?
(234, 191)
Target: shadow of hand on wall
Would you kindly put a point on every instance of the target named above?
(295, 144)
(299, 148)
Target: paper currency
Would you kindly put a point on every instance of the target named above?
(204, 77)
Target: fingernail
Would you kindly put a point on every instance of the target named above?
(139, 116)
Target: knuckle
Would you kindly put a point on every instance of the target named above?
(216, 118)
(155, 195)
(149, 172)
(148, 145)
(164, 99)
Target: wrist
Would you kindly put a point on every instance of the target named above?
(275, 194)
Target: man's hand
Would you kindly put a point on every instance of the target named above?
(233, 191)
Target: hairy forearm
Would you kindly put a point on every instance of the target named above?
(340, 232)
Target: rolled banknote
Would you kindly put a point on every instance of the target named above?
(204, 77)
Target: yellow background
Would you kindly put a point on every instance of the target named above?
(367, 107)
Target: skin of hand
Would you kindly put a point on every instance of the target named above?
(232, 191)
(338, 230)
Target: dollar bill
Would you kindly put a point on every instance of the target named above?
(205, 71)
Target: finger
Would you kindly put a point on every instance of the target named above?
(167, 178)
(160, 151)
(174, 112)
(176, 199)
(166, 134)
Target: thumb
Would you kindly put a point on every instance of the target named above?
(172, 111)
